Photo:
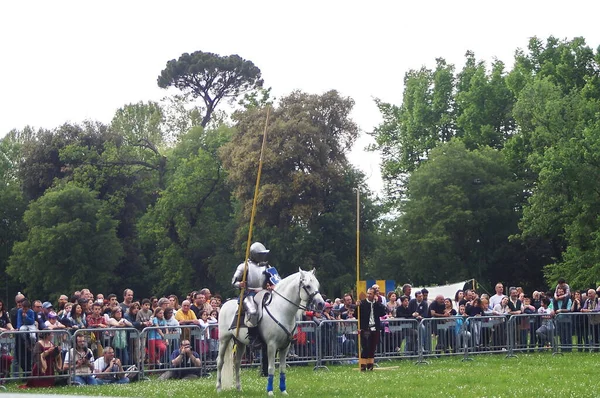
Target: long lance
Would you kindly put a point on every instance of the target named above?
(358, 271)
(260, 163)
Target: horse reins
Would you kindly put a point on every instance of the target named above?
(311, 296)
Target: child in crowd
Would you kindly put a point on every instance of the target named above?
(146, 313)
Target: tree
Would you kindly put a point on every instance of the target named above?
(71, 242)
(211, 77)
(458, 217)
(409, 132)
(306, 210)
(187, 233)
(12, 203)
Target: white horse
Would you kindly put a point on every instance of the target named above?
(276, 327)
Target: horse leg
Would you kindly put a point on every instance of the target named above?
(282, 368)
(271, 350)
(239, 353)
(223, 344)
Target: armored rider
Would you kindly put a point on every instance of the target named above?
(258, 277)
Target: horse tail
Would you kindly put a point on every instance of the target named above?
(227, 372)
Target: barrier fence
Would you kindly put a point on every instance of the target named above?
(69, 355)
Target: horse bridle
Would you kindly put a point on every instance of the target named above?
(311, 297)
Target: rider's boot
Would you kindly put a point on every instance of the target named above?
(254, 338)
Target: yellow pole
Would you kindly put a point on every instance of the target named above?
(358, 271)
(248, 243)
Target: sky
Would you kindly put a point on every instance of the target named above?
(68, 61)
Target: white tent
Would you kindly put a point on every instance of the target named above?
(446, 290)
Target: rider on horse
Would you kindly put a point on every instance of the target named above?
(257, 278)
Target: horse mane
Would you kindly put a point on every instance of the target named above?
(284, 282)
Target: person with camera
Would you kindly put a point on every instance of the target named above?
(185, 363)
(83, 365)
(109, 369)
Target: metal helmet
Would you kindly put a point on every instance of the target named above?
(258, 252)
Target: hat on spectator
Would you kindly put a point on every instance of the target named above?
(328, 305)
(47, 305)
(52, 314)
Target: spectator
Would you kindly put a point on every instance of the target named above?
(392, 303)
(502, 307)
(213, 332)
(109, 369)
(514, 304)
(580, 321)
(378, 295)
(592, 306)
(164, 303)
(410, 334)
(497, 298)
(343, 309)
(202, 344)
(186, 316)
(77, 317)
(174, 302)
(47, 359)
(65, 314)
(113, 302)
(5, 323)
(120, 339)
(566, 290)
(407, 290)
(95, 319)
(26, 320)
(52, 322)
(545, 333)
(186, 361)
(84, 362)
(5, 358)
(564, 324)
(127, 300)
(458, 296)
(145, 314)
(156, 337)
(153, 303)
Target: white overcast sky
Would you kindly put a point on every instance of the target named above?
(74, 60)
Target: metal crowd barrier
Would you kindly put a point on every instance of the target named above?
(319, 343)
(20, 345)
(157, 351)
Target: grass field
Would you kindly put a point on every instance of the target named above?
(534, 375)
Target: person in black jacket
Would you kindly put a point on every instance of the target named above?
(369, 312)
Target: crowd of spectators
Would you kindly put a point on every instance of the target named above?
(102, 356)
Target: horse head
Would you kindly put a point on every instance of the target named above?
(309, 290)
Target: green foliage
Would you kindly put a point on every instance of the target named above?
(211, 77)
(458, 215)
(71, 242)
(187, 233)
(306, 202)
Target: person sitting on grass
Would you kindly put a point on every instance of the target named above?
(185, 363)
(84, 362)
(109, 369)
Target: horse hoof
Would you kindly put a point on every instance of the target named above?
(270, 393)
(284, 393)
(218, 389)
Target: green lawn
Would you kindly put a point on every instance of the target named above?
(534, 375)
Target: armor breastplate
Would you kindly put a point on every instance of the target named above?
(255, 279)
